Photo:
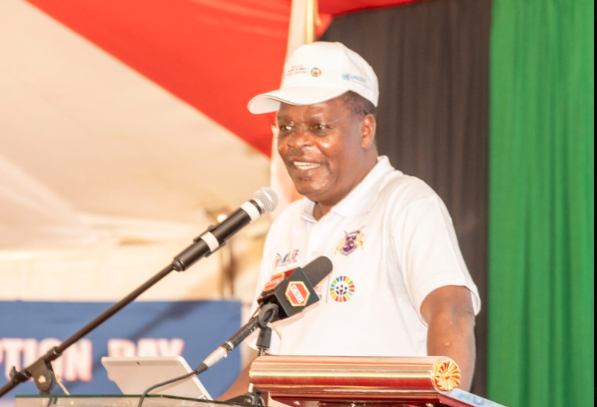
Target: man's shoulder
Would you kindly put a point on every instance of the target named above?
(399, 187)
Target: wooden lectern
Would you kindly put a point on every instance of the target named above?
(311, 381)
(315, 381)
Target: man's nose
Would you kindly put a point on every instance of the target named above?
(301, 137)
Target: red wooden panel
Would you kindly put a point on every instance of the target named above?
(337, 7)
(214, 55)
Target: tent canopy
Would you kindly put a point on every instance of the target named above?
(135, 109)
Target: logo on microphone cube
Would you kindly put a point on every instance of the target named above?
(274, 281)
(297, 294)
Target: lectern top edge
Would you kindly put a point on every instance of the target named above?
(316, 381)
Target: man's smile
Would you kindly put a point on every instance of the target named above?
(305, 165)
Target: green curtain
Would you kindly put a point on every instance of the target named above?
(541, 266)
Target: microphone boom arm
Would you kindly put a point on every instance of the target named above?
(266, 314)
(41, 369)
(264, 201)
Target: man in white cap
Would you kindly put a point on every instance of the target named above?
(400, 286)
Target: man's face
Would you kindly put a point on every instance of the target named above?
(323, 148)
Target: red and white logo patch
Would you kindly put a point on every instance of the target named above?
(297, 294)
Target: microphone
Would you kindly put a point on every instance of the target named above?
(283, 296)
(294, 290)
(264, 201)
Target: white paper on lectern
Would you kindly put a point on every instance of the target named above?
(134, 375)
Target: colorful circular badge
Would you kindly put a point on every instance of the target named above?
(342, 289)
(316, 72)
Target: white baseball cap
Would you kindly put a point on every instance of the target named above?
(319, 72)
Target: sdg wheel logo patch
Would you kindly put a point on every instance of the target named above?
(342, 289)
(316, 72)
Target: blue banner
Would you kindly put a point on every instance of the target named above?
(189, 329)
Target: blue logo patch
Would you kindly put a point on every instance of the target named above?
(287, 259)
(354, 78)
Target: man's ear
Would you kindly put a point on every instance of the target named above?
(368, 128)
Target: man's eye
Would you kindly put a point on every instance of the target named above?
(285, 128)
(319, 127)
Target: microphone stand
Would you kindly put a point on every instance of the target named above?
(41, 370)
(254, 396)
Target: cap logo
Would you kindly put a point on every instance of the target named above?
(296, 70)
(297, 294)
(354, 78)
(316, 72)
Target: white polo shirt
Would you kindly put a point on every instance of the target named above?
(392, 242)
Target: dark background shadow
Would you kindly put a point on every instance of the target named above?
(432, 60)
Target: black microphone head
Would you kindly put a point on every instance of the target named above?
(267, 199)
(318, 269)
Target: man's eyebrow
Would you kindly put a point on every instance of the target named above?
(314, 117)
(283, 117)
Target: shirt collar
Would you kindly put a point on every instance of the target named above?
(361, 198)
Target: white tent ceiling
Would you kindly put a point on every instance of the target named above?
(100, 139)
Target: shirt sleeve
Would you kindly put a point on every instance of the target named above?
(428, 252)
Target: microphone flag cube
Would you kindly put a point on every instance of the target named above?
(292, 291)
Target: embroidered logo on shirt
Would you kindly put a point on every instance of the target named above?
(351, 242)
(287, 259)
(342, 289)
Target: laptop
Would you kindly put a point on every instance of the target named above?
(134, 375)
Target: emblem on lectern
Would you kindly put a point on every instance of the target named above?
(446, 375)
